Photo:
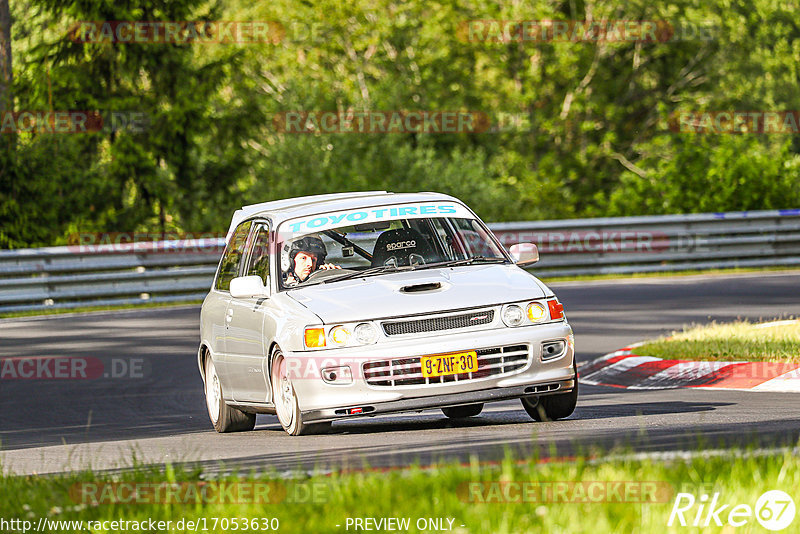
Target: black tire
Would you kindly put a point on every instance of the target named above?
(459, 412)
(285, 399)
(552, 407)
(224, 418)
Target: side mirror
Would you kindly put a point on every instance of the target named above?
(246, 287)
(524, 254)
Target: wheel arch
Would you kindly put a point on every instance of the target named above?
(273, 346)
(202, 352)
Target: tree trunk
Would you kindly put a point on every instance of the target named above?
(6, 74)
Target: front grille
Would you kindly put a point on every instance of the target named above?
(448, 322)
(492, 362)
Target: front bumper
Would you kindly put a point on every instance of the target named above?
(320, 401)
(440, 401)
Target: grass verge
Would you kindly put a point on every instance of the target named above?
(738, 341)
(671, 274)
(84, 309)
(622, 495)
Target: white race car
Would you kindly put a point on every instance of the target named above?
(357, 304)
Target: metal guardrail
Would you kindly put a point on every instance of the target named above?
(107, 274)
(622, 245)
(169, 271)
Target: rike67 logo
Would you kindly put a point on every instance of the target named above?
(774, 510)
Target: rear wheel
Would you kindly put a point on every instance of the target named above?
(552, 407)
(285, 398)
(459, 412)
(224, 418)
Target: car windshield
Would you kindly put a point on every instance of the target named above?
(328, 248)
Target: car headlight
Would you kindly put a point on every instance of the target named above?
(526, 313)
(513, 315)
(365, 334)
(536, 312)
(339, 335)
(342, 335)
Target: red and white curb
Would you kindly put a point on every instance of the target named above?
(625, 369)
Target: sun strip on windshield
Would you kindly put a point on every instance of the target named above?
(292, 228)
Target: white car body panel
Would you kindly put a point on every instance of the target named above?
(240, 334)
(361, 299)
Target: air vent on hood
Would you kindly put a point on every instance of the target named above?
(418, 288)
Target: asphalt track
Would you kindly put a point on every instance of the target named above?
(159, 415)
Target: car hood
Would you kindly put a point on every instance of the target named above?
(418, 292)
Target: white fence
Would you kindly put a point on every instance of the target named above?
(165, 271)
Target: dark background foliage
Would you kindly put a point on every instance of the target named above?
(590, 134)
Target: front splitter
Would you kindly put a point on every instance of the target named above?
(439, 401)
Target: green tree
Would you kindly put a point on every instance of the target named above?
(151, 177)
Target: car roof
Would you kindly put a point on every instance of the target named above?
(289, 208)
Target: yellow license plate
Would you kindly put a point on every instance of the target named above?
(449, 364)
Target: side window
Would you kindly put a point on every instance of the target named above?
(476, 240)
(259, 257)
(229, 266)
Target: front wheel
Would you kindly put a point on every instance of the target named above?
(285, 398)
(224, 418)
(552, 407)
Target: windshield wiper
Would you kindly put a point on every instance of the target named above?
(366, 272)
(392, 268)
(466, 261)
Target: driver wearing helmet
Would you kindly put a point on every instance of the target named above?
(306, 255)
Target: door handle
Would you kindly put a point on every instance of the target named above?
(229, 315)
